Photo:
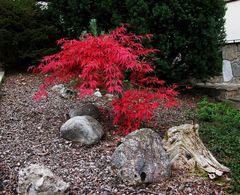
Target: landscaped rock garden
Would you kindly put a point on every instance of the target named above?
(69, 144)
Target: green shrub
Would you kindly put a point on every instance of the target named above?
(188, 33)
(72, 16)
(219, 130)
(25, 33)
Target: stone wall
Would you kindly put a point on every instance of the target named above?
(231, 62)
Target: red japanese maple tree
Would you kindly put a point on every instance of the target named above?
(101, 62)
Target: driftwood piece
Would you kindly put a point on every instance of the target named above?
(187, 151)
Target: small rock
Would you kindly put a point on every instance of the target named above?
(141, 158)
(88, 109)
(97, 93)
(110, 96)
(63, 91)
(67, 93)
(82, 129)
(37, 179)
(57, 88)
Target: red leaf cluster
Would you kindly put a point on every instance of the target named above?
(101, 62)
(137, 106)
(98, 62)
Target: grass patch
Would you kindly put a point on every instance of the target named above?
(220, 132)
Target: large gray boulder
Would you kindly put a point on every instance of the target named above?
(140, 158)
(82, 129)
(87, 109)
(39, 180)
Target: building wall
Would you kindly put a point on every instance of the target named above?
(231, 51)
(232, 24)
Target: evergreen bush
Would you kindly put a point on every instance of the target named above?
(189, 34)
(25, 33)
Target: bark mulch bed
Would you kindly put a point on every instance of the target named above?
(29, 133)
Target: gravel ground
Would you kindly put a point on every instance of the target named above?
(29, 133)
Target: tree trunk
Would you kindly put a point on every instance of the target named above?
(187, 151)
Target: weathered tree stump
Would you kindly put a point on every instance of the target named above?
(187, 151)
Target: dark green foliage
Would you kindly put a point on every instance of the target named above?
(25, 33)
(219, 130)
(73, 16)
(188, 33)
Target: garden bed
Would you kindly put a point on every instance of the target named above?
(29, 133)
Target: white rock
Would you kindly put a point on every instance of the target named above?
(110, 96)
(63, 92)
(38, 179)
(58, 88)
(97, 93)
(227, 71)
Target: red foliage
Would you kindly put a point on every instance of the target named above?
(101, 62)
(137, 106)
(98, 62)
